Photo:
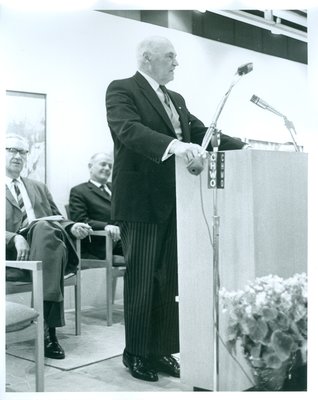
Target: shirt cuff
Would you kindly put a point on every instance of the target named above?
(166, 154)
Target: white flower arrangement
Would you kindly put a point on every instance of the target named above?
(269, 317)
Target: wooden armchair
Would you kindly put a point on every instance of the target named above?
(25, 323)
(73, 279)
(114, 266)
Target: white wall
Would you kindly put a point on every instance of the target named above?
(72, 57)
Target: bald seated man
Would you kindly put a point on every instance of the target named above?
(49, 240)
(90, 202)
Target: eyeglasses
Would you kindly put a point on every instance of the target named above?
(15, 151)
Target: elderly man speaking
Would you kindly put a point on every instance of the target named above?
(150, 126)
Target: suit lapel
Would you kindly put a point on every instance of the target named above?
(154, 100)
(182, 117)
(93, 188)
(31, 191)
(11, 199)
(109, 185)
(156, 103)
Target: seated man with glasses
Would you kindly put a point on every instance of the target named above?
(90, 202)
(36, 230)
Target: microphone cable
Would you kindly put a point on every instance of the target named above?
(214, 322)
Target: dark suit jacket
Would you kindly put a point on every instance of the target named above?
(89, 204)
(43, 205)
(143, 187)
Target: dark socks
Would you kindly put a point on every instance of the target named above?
(52, 334)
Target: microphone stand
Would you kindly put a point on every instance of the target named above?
(290, 126)
(212, 136)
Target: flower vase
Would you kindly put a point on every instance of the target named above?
(270, 379)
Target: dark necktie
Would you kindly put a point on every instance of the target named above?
(24, 222)
(166, 96)
(172, 114)
(103, 189)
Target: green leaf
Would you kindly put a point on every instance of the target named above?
(283, 344)
(233, 331)
(269, 313)
(282, 320)
(272, 360)
(303, 352)
(258, 329)
(231, 346)
(302, 326)
(256, 350)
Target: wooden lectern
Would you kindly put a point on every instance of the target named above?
(262, 230)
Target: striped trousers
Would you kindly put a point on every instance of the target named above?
(150, 288)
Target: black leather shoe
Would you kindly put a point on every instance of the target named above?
(139, 367)
(52, 349)
(167, 364)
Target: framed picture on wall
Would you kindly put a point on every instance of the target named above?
(26, 117)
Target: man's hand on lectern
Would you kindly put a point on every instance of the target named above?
(187, 151)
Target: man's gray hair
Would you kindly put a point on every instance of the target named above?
(18, 137)
(149, 45)
(94, 156)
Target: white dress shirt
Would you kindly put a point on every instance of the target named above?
(26, 199)
(98, 184)
(175, 120)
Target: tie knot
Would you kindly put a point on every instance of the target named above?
(163, 88)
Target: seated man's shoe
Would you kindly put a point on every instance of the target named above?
(167, 364)
(139, 367)
(52, 349)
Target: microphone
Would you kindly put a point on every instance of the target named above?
(289, 125)
(261, 103)
(245, 69)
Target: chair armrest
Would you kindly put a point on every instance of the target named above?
(37, 283)
(100, 233)
(108, 245)
(29, 265)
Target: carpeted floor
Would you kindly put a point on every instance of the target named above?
(93, 362)
(97, 341)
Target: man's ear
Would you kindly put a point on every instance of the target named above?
(147, 56)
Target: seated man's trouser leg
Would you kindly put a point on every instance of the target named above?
(47, 244)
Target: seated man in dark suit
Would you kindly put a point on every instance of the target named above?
(90, 202)
(36, 230)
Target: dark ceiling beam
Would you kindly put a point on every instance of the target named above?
(223, 29)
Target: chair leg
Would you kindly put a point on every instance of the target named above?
(109, 295)
(114, 288)
(39, 356)
(77, 295)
